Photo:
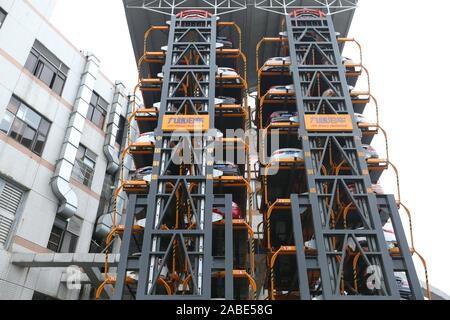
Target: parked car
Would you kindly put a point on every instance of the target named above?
(370, 152)
(277, 64)
(148, 137)
(284, 116)
(228, 72)
(360, 118)
(281, 90)
(219, 215)
(403, 287)
(348, 64)
(389, 236)
(377, 188)
(225, 100)
(329, 93)
(287, 154)
(224, 42)
(226, 168)
(144, 173)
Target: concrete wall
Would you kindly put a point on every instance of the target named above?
(26, 21)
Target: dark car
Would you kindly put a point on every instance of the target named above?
(283, 116)
(227, 168)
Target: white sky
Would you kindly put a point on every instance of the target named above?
(405, 45)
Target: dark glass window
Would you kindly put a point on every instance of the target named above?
(64, 235)
(97, 110)
(84, 168)
(47, 67)
(3, 15)
(122, 126)
(25, 125)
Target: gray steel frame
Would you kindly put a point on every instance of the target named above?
(330, 270)
(284, 7)
(171, 7)
(200, 260)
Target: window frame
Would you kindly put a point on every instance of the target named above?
(97, 107)
(65, 234)
(20, 106)
(42, 60)
(82, 164)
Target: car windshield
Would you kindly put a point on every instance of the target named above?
(225, 163)
(287, 151)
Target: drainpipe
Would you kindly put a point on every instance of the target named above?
(104, 222)
(68, 201)
(110, 150)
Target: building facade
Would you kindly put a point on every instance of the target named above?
(60, 137)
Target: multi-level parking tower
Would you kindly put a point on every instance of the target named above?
(189, 231)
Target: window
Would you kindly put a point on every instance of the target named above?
(47, 67)
(25, 125)
(121, 131)
(64, 235)
(3, 15)
(10, 199)
(97, 110)
(83, 170)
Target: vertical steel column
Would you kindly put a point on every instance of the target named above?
(331, 271)
(155, 247)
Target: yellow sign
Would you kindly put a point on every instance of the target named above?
(189, 123)
(328, 123)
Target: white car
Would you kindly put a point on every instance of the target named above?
(277, 64)
(148, 137)
(281, 90)
(228, 72)
(286, 154)
(360, 118)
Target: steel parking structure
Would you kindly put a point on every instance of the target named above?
(322, 221)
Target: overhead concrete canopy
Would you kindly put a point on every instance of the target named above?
(259, 19)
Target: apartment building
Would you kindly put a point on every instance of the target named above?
(61, 126)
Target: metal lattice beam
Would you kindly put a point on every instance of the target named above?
(284, 7)
(172, 7)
